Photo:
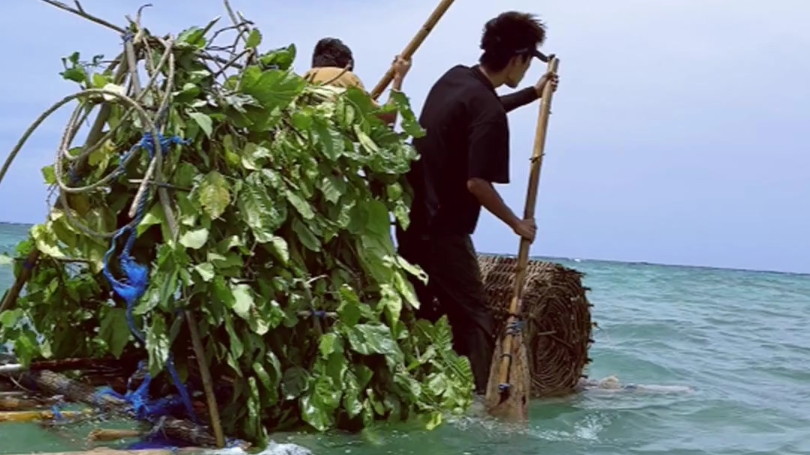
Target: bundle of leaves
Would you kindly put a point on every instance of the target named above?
(283, 195)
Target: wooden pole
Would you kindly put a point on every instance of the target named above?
(411, 48)
(208, 383)
(35, 416)
(509, 385)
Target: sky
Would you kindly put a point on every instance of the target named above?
(679, 132)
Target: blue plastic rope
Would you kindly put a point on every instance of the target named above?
(515, 327)
(57, 415)
(131, 289)
(148, 143)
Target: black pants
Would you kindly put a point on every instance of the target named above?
(454, 278)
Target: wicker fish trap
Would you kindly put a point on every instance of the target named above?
(558, 319)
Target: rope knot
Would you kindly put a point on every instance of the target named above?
(515, 327)
(134, 284)
(148, 142)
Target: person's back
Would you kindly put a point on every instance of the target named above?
(457, 102)
(334, 76)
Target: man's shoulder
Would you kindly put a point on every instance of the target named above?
(334, 76)
(460, 84)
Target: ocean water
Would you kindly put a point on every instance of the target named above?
(740, 338)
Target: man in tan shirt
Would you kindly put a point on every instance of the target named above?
(333, 63)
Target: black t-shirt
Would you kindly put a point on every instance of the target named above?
(467, 137)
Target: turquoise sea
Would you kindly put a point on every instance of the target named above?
(740, 338)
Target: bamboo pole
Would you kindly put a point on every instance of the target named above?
(35, 416)
(412, 46)
(511, 402)
(103, 434)
(208, 383)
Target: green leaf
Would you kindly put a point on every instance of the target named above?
(294, 382)
(314, 415)
(243, 300)
(280, 247)
(303, 207)
(259, 212)
(351, 310)
(369, 339)
(410, 124)
(366, 141)
(46, 240)
(214, 194)
(274, 89)
(283, 57)
(237, 348)
(115, 331)
(194, 239)
(263, 377)
(254, 39)
(328, 344)
(435, 421)
(253, 156)
(49, 175)
(157, 344)
(26, 347)
(9, 318)
(330, 141)
(152, 217)
(333, 188)
(193, 36)
(204, 121)
(305, 235)
(206, 271)
(377, 218)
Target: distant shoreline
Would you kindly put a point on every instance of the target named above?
(607, 261)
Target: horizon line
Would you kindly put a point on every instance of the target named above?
(613, 261)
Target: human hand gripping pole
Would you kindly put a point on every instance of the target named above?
(412, 46)
(509, 385)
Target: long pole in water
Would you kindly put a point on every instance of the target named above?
(411, 48)
(506, 362)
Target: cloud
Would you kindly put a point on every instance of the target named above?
(678, 133)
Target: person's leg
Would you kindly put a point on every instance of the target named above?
(458, 284)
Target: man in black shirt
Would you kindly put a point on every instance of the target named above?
(466, 150)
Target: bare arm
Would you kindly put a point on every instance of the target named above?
(489, 198)
(391, 117)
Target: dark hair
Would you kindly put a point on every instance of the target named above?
(510, 34)
(332, 52)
